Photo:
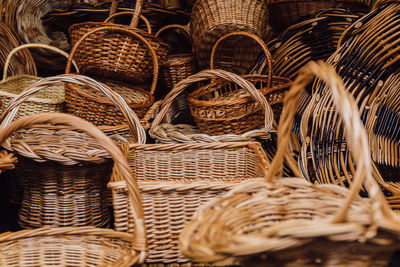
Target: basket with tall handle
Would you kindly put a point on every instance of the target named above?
(289, 221)
(76, 246)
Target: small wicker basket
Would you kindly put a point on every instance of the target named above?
(76, 246)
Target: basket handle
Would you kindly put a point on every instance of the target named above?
(354, 129)
(139, 238)
(34, 45)
(136, 13)
(121, 30)
(255, 38)
(146, 21)
(172, 26)
(133, 121)
(212, 74)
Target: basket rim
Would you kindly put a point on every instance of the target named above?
(32, 99)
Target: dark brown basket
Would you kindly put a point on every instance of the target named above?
(179, 66)
(285, 13)
(87, 104)
(115, 54)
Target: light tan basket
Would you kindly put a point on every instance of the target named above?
(49, 100)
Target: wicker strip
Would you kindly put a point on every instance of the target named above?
(49, 100)
(227, 81)
(99, 110)
(76, 246)
(7, 161)
(292, 222)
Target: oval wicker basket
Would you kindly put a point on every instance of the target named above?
(77, 246)
(176, 66)
(212, 19)
(49, 100)
(290, 222)
(99, 110)
(122, 57)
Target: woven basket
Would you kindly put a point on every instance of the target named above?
(212, 19)
(248, 99)
(49, 100)
(175, 179)
(99, 110)
(284, 13)
(62, 172)
(273, 87)
(122, 56)
(290, 222)
(76, 246)
(177, 66)
(23, 61)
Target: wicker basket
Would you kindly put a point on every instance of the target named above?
(23, 61)
(50, 100)
(177, 66)
(175, 179)
(291, 222)
(212, 19)
(248, 99)
(62, 172)
(98, 110)
(76, 246)
(284, 13)
(273, 87)
(122, 56)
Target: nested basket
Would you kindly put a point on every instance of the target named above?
(49, 100)
(212, 19)
(62, 172)
(284, 13)
(122, 57)
(273, 87)
(175, 179)
(290, 222)
(248, 102)
(76, 246)
(176, 66)
(86, 104)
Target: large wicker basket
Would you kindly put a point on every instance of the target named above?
(175, 179)
(63, 173)
(76, 246)
(49, 100)
(212, 19)
(99, 110)
(290, 222)
(122, 56)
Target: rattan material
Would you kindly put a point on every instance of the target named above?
(62, 172)
(7, 161)
(23, 61)
(88, 105)
(177, 66)
(290, 222)
(122, 56)
(284, 13)
(273, 87)
(233, 102)
(76, 246)
(212, 19)
(50, 100)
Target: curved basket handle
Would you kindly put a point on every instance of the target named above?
(34, 45)
(354, 129)
(255, 38)
(146, 21)
(139, 239)
(132, 120)
(121, 30)
(136, 13)
(212, 74)
(172, 26)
